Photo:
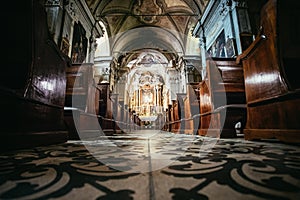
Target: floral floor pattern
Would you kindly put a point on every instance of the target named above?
(153, 166)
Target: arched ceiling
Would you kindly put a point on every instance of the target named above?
(122, 15)
(147, 38)
(175, 17)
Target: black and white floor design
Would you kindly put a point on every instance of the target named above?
(153, 165)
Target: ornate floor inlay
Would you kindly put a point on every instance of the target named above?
(158, 166)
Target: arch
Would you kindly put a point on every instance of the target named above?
(147, 38)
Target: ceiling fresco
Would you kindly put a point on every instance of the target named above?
(170, 18)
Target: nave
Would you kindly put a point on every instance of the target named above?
(150, 99)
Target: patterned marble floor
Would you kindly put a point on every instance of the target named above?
(152, 165)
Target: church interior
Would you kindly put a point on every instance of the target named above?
(150, 99)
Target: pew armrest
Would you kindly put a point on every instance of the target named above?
(257, 42)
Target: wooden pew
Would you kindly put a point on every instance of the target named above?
(175, 117)
(105, 107)
(271, 74)
(192, 108)
(168, 125)
(114, 116)
(32, 83)
(206, 108)
(81, 101)
(222, 98)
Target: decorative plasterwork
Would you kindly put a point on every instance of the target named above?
(53, 3)
(148, 78)
(149, 68)
(147, 11)
(172, 15)
(72, 9)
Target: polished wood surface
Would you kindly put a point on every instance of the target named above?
(205, 107)
(81, 100)
(175, 117)
(222, 98)
(33, 82)
(79, 81)
(193, 103)
(271, 83)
